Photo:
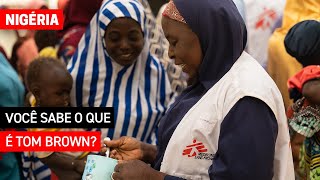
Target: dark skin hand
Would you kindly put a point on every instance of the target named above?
(133, 156)
(128, 148)
(136, 170)
(61, 164)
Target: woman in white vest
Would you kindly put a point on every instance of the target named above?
(229, 123)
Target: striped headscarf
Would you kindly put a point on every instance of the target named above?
(33, 168)
(139, 93)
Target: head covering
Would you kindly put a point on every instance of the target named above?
(303, 42)
(222, 34)
(139, 93)
(172, 12)
(306, 74)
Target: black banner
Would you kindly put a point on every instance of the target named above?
(51, 117)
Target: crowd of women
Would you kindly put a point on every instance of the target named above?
(216, 89)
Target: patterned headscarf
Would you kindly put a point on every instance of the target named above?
(306, 74)
(172, 12)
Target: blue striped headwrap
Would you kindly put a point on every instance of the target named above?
(139, 93)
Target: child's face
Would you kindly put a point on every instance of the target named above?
(311, 91)
(124, 40)
(54, 89)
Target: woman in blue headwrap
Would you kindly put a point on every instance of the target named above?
(113, 67)
(230, 122)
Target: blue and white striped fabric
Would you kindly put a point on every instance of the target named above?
(33, 168)
(139, 93)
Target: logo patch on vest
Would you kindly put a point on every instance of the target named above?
(197, 150)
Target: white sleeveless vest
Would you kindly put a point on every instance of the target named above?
(193, 144)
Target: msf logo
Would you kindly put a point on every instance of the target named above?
(193, 149)
(266, 19)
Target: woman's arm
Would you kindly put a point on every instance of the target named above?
(129, 148)
(246, 144)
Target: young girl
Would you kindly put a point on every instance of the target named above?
(50, 83)
(113, 67)
(304, 120)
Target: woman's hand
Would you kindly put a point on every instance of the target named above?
(125, 148)
(136, 170)
(79, 165)
(66, 174)
(129, 148)
(65, 166)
